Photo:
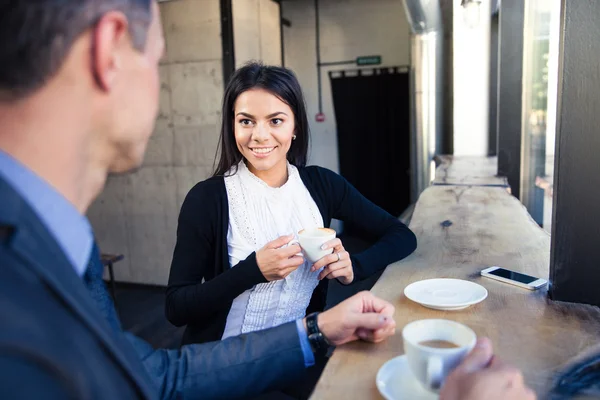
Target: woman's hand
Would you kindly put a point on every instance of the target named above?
(337, 265)
(276, 262)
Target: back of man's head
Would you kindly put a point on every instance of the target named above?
(38, 34)
(79, 84)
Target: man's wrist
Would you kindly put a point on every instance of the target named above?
(323, 324)
(318, 341)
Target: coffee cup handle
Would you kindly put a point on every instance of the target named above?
(435, 369)
(293, 242)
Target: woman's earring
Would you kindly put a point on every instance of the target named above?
(294, 137)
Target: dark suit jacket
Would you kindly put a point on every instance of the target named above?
(56, 344)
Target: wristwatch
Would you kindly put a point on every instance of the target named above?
(318, 342)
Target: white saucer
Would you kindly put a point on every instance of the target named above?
(396, 382)
(445, 294)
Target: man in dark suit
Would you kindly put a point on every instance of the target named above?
(78, 98)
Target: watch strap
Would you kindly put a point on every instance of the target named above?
(318, 342)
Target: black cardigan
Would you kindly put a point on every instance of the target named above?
(202, 285)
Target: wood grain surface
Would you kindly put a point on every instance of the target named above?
(462, 230)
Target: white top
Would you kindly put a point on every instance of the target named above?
(259, 214)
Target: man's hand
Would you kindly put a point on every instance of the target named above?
(482, 376)
(362, 316)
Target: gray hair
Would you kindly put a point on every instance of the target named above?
(38, 34)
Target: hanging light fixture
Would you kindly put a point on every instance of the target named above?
(471, 12)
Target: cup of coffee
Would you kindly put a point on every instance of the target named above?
(312, 239)
(433, 347)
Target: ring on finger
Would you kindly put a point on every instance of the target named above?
(339, 257)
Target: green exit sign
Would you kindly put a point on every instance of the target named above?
(368, 60)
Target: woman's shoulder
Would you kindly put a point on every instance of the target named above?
(317, 174)
(203, 191)
(208, 186)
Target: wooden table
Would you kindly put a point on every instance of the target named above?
(468, 171)
(462, 230)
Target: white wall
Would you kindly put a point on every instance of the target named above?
(256, 31)
(471, 81)
(349, 28)
(136, 215)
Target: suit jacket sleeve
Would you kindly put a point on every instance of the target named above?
(27, 376)
(236, 367)
(192, 298)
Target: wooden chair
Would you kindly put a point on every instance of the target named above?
(108, 260)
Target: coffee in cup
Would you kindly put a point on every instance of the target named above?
(439, 344)
(434, 347)
(312, 239)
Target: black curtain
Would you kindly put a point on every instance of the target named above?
(372, 111)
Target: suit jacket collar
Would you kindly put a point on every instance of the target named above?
(30, 239)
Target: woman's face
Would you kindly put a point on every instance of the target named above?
(264, 128)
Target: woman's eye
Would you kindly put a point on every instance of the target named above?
(245, 122)
(277, 121)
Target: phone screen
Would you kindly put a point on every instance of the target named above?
(515, 276)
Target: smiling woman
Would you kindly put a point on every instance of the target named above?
(234, 269)
(259, 98)
(264, 131)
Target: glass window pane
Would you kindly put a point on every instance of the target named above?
(540, 85)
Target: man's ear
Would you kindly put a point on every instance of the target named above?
(110, 35)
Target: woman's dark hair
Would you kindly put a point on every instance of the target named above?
(279, 81)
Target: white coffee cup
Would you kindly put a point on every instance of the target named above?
(312, 239)
(431, 365)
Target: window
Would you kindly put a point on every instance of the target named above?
(540, 86)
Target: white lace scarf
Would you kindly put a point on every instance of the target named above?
(259, 214)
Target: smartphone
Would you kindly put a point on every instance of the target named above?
(514, 278)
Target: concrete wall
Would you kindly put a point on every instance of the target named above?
(256, 31)
(137, 213)
(349, 28)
